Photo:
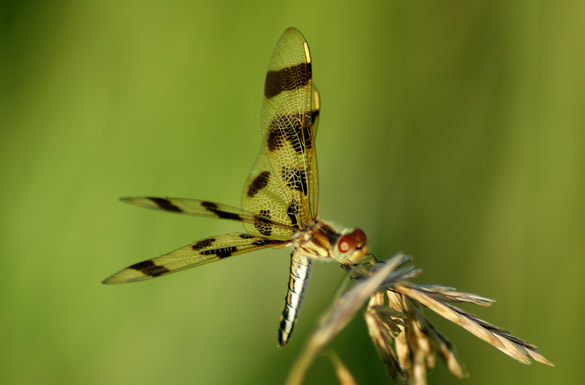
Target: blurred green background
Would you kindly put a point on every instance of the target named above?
(451, 130)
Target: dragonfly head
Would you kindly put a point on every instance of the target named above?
(350, 247)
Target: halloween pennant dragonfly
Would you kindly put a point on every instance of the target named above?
(279, 202)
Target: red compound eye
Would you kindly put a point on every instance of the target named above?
(360, 236)
(346, 243)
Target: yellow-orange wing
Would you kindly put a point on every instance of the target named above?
(198, 253)
(283, 185)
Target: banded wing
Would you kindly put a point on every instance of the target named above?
(261, 224)
(313, 180)
(198, 253)
(283, 183)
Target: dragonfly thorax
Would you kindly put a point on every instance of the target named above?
(322, 240)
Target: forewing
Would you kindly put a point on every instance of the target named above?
(283, 182)
(198, 253)
(313, 180)
(257, 222)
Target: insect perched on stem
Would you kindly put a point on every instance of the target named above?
(279, 202)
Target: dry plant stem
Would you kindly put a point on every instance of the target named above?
(383, 327)
(423, 339)
(343, 310)
(343, 374)
(514, 347)
(419, 341)
(405, 339)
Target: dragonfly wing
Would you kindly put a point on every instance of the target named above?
(283, 182)
(198, 253)
(257, 222)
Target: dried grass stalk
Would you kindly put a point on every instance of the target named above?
(404, 337)
(341, 371)
(383, 326)
(515, 347)
(339, 315)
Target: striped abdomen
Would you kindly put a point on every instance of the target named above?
(300, 268)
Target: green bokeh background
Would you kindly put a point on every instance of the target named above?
(451, 130)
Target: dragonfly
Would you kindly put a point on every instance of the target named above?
(279, 201)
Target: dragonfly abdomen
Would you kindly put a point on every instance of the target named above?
(300, 268)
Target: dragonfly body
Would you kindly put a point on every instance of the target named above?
(320, 241)
(279, 201)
